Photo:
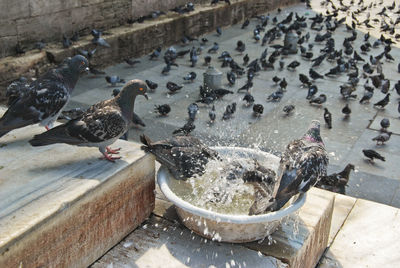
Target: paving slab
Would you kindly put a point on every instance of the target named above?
(369, 238)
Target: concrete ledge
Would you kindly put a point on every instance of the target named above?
(60, 206)
(138, 39)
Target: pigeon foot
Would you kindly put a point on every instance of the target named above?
(110, 158)
(113, 151)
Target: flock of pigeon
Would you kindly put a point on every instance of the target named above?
(305, 160)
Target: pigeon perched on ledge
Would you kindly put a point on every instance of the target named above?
(101, 125)
(183, 156)
(43, 100)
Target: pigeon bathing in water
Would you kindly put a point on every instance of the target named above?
(183, 156)
(101, 125)
(302, 165)
(44, 98)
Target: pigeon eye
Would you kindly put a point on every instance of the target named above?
(141, 89)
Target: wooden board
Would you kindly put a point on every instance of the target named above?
(61, 206)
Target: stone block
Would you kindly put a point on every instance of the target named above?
(43, 7)
(63, 207)
(14, 9)
(343, 206)
(369, 238)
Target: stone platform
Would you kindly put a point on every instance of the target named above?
(60, 206)
(164, 242)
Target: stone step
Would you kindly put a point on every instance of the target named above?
(164, 242)
(137, 39)
(60, 206)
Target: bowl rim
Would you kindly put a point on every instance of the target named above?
(163, 173)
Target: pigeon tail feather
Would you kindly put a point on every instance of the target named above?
(54, 135)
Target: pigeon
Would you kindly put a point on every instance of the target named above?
(283, 84)
(382, 103)
(293, 65)
(156, 53)
(287, 109)
(221, 92)
(101, 125)
(193, 108)
(100, 41)
(132, 63)
(114, 80)
(314, 75)
(172, 87)
(219, 31)
(328, 118)
(385, 86)
(183, 156)
(240, 46)
(336, 182)
(186, 129)
(190, 77)
(371, 154)
(66, 42)
(231, 78)
(212, 115)
(385, 123)
(382, 138)
(246, 59)
(163, 109)
(151, 85)
(276, 79)
(312, 90)
(302, 165)
(318, 100)
(249, 99)
(16, 89)
(275, 96)
(346, 110)
(193, 57)
(229, 111)
(214, 48)
(368, 93)
(258, 110)
(305, 81)
(44, 98)
(87, 53)
(207, 60)
(245, 23)
(246, 86)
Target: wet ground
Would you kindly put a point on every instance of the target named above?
(273, 130)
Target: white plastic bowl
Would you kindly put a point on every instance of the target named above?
(225, 227)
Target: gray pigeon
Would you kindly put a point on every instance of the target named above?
(45, 97)
(101, 125)
(303, 163)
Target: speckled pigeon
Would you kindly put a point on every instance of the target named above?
(101, 125)
(303, 163)
(45, 97)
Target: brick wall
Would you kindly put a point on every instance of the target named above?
(29, 21)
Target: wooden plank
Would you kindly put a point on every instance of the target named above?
(160, 243)
(62, 206)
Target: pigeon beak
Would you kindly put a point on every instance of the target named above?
(145, 95)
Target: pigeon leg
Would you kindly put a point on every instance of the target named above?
(109, 157)
(46, 127)
(112, 151)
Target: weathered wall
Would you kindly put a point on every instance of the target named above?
(29, 21)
